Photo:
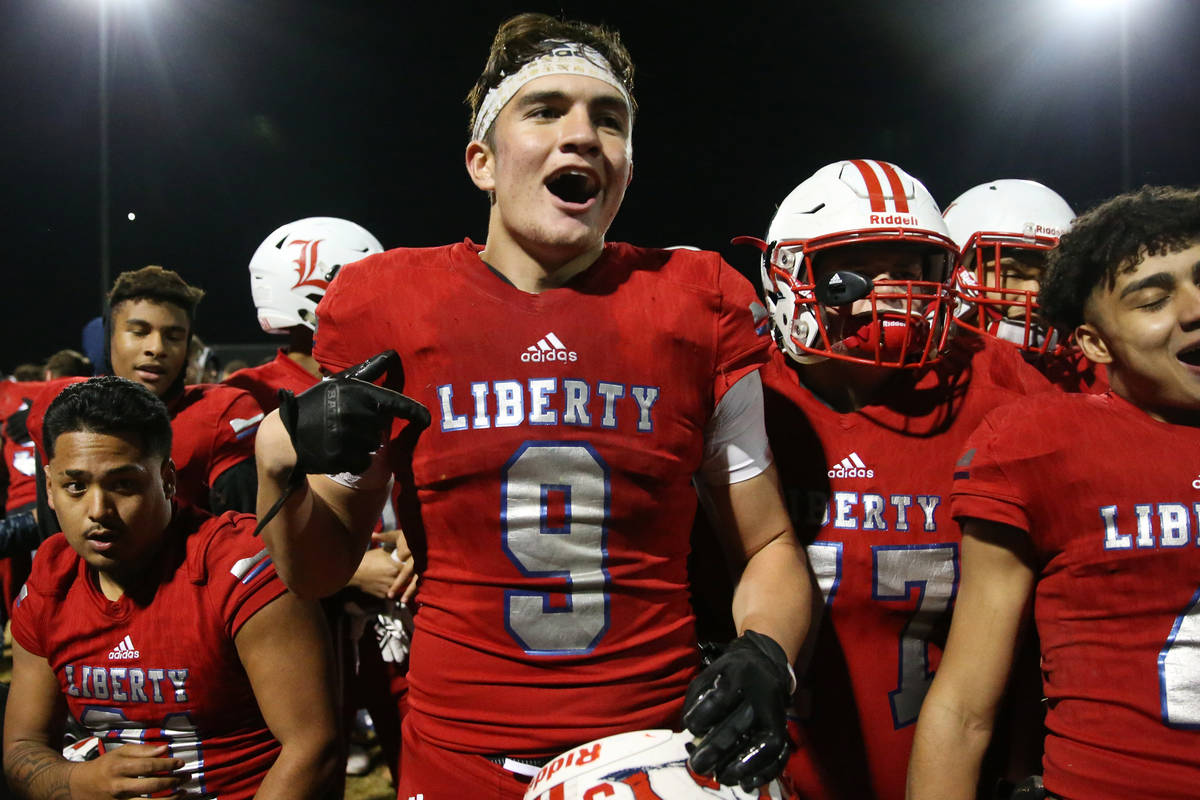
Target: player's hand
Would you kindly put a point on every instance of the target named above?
(335, 425)
(376, 573)
(404, 585)
(737, 707)
(132, 770)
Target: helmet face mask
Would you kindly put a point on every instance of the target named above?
(869, 224)
(888, 321)
(988, 301)
(292, 268)
(1003, 230)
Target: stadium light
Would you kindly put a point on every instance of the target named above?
(1098, 8)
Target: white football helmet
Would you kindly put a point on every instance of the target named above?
(292, 268)
(634, 766)
(1004, 218)
(848, 316)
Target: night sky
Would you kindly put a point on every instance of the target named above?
(231, 117)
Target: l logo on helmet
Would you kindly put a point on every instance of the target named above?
(306, 264)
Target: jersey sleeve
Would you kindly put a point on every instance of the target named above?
(742, 326)
(37, 409)
(249, 381)
(25, 615)
(346, 328)
(233, 441)
(735, 441)
(987, 477)
(31, 609)
(241, 577)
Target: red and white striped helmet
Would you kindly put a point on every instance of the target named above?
(989, 222)
(856, 202)
(636, 766)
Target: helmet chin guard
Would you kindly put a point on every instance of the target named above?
(848, 315)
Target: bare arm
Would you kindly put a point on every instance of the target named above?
(957, 716)
(318, 538)
(34, 765)
(773, 595)
(286, 653)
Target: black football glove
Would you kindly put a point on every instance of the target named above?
(336, 425)
(738, 707)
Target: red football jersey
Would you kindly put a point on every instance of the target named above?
(1073, 372)
(1111, 500)
(20, 490)
(553, 496)
(212, 428)
(264, 382)
(161, 667)
(18, 456)
(873, 486)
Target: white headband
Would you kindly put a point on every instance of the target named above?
(563, 58)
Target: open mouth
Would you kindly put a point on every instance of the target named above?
(573, 186)
(101, 541)
(1190, 355)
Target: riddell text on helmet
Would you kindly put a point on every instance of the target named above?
(892, 219)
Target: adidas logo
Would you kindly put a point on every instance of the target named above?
(851, 467)
(548, 348)
(124, 650)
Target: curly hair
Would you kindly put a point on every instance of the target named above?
(156, 284)
(523, 38)
(1115, 235)
(109, 405)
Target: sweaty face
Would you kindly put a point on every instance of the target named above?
(558, 167)
(1147, 329)
(112, 500)
(149, 343)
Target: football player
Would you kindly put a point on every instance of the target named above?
(149, 324)
(1003, 230)
(1089, 503)
(163, 630)
(19, 532)
(289, 273)
(869, 399)
(576, 387)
